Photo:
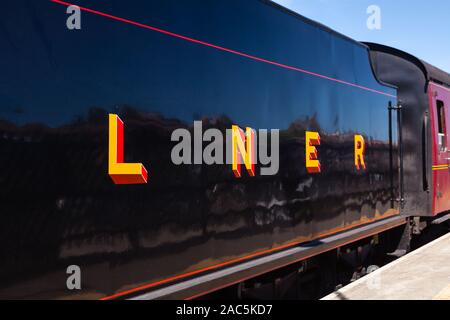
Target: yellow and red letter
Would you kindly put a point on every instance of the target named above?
(121, 172)
(241, 150)
(360, 147)
(312, 163)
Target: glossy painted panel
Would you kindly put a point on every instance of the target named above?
(58, 204)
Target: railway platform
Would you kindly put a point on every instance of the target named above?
(423, 274)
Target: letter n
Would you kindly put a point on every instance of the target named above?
(243, 148)
(121, 172)
(312, 162)
(360, 148)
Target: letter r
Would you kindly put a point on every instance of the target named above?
(360, 148)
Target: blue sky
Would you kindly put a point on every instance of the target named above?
(420, 27)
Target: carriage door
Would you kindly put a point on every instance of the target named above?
(440, 105)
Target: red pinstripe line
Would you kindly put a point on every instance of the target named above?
(223, 48)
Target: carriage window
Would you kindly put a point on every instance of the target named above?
(442, 131)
